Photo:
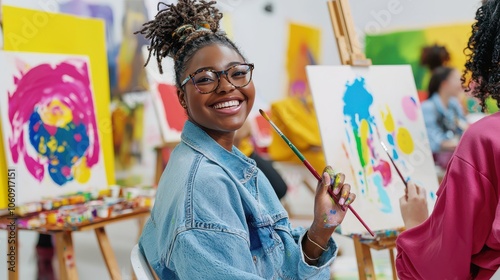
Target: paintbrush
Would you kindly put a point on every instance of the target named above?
(394, 164)
(389, 155)
(312, 170)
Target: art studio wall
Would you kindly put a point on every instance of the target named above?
(263, 35)
(261, 29)
(260, 26)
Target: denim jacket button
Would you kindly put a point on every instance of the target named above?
(255, 259)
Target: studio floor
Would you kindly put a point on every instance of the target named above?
(123, 235)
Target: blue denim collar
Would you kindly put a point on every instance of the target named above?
(440, 106)
(237, 163)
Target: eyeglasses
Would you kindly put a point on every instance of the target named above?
(208, 80)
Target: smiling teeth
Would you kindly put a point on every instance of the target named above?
(226, 104)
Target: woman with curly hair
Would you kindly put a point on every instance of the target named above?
(461, 238)
(216, 215)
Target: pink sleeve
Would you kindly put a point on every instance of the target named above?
(442, 247)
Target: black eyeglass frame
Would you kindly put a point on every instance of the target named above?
(218, 73)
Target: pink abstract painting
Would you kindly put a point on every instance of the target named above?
(49, 124)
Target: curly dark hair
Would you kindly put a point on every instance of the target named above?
(434, 56)
(482, 67)
(180, 30)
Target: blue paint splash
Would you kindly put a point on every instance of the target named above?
(64, 148)
(390, 139)
(382, 194)
(357, 102)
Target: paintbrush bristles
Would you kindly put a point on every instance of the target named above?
(264, 115)
(383, 145)
(273, 125)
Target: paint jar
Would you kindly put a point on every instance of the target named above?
(30, 207)
(103, 211)
(94, 193)
(87, 196)
(115, 191)
(34, 223)
(74, 199)
(47, 204)
(131, 193)
(149, 202)
(56, 203)
(43, 218)
(20, 210)
(93, 206)
(52, 217)
(64, 201)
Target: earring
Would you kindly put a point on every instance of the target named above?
(183, 104)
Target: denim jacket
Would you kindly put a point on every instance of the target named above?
(440, 122)
(216, 216)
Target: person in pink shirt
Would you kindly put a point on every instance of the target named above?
(461, 238)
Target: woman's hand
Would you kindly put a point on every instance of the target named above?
(328, 214)
(414, 206)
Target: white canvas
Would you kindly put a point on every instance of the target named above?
(357, 108)
(49, 125)
(171, 115)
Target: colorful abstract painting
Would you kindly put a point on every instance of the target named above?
(170, 113)
(304, 44)
(49, 124)
(135, 131)
(358, 108)
(48, 40)
(122, 19)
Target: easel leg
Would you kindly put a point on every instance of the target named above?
(65, 256)
(393, 264)
(107, 253)
(13, 258)
(364, 259)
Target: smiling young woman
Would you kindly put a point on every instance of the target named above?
(216, 215)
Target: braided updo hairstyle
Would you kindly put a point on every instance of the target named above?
(483, 53)
(180, 30)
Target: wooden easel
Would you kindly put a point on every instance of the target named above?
(350, 54)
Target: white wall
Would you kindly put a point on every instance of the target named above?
(263, 36)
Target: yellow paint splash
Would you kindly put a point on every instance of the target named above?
(405, 141)
(388, 120)
(364, 133)
(56, 114)
(81, 171)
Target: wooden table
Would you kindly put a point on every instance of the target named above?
(64, 243)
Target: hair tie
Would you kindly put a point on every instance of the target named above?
(184, 31)
(179, 31)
